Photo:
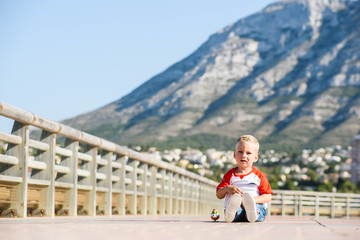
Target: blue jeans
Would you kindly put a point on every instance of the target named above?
(241, 214)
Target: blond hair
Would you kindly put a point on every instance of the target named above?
(249, 139)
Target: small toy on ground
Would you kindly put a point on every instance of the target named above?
(214, 215)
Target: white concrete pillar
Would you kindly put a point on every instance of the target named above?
(48, 174)
(92, 151)
(21, 151)
(170, 193)
(122, 195)
(72, 177)
(163, 192)
(108, 156)
(153, 191)
(144, 188)
(133, 187)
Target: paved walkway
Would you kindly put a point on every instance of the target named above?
(176, 227)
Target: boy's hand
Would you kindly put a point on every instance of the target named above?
(221, 193)
(233, 189)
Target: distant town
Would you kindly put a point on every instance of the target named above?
(329, 169)
(324, 169)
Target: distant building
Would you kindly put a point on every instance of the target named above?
(355, 156)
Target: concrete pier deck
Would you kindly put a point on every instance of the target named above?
(177, 227)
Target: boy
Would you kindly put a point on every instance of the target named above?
(246, 189)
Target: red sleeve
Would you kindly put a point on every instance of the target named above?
(226, 179)
(264, 187)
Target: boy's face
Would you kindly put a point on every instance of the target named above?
(245, 154)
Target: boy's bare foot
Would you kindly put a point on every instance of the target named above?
(232, 206)
(250, 207)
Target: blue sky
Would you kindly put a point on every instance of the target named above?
(62, 58)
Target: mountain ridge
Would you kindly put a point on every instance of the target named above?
(292, 66)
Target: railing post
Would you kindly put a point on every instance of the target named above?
(317, 214)
(153, 191)
(49, 173)
(176, 189)
(283, 204)
(133, 186)
(73, 146)
(347, 207)
(209, 192)
(163, 193)
(268, 211)
(332, 211)
(187, 196)
(92, 151)
(194, 196)
(144, 180)
(190, 195)
(300, 205)
(108, 183)
(296, 205)
(20, 151)
(122, 196)
(202, 201)
(182, 203)
(205, 196)
(197, 200)
(170, 193)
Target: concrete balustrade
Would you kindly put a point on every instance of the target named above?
(68, 172)
(308, 203)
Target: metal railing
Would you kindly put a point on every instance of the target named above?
(308, 203)
(65, 171)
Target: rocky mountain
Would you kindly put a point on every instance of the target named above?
(289, 74)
